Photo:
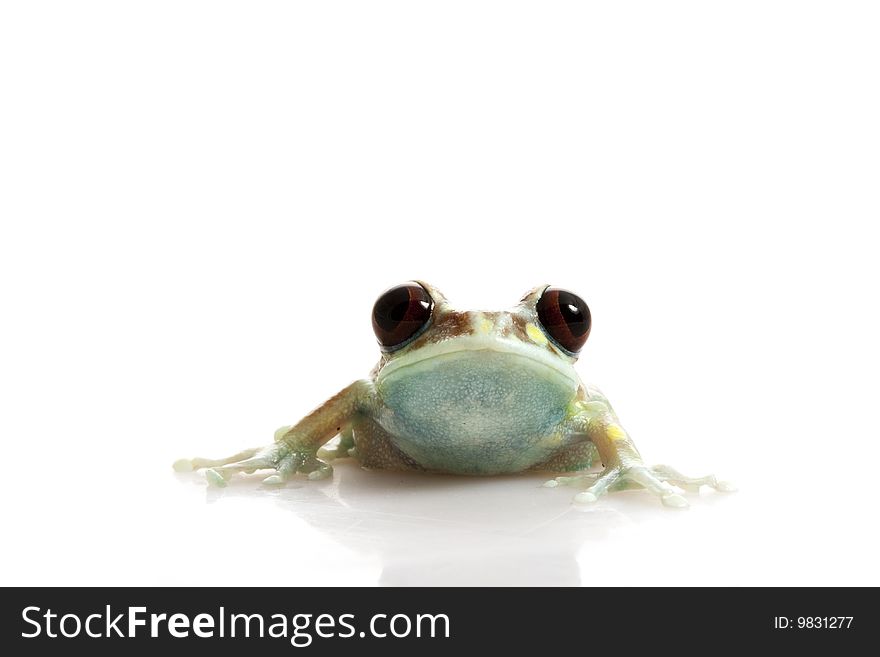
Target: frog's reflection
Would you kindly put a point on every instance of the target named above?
(446, 530)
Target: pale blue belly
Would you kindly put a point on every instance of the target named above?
(475, 414)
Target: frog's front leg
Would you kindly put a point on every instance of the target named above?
(295, 448)
(624, 468)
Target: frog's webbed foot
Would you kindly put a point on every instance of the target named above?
(296, 447)
(663, 481)
(280, 457)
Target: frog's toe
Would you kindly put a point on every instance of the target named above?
(275, 480)
(571, 480)
(586, 497)
(305, 463)
(675, 500)
(342, 448)
(183, 465)
(332, 453)
(215, 478)
(323, 471)
(597, 484)
(692, 483)
(237, 462)
(219, 471)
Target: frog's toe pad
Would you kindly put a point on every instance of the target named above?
(320, 473)
(675, 500)
(585, 497)
(215, 478)
(182, 465)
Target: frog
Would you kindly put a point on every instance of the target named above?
(469, 392)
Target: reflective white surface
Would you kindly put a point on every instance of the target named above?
(201, 201)
(367, 528)
(444, 530)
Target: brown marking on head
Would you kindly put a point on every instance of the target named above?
(446, 325)
(450, 324)
(517, 327)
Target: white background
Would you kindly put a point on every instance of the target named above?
(200, 202)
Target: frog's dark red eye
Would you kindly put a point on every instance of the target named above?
(400, 313)
(565, 318)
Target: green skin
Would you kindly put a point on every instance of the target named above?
(475, 393)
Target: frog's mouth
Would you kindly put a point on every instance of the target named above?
(542, 362)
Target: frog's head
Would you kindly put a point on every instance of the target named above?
(543, 334)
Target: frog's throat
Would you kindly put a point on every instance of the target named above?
(545, 362)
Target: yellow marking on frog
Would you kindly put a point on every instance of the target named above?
(614, 432)
(535, 334)
(485, 326)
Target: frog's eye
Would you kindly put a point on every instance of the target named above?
(565, 318)
(400, 313)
